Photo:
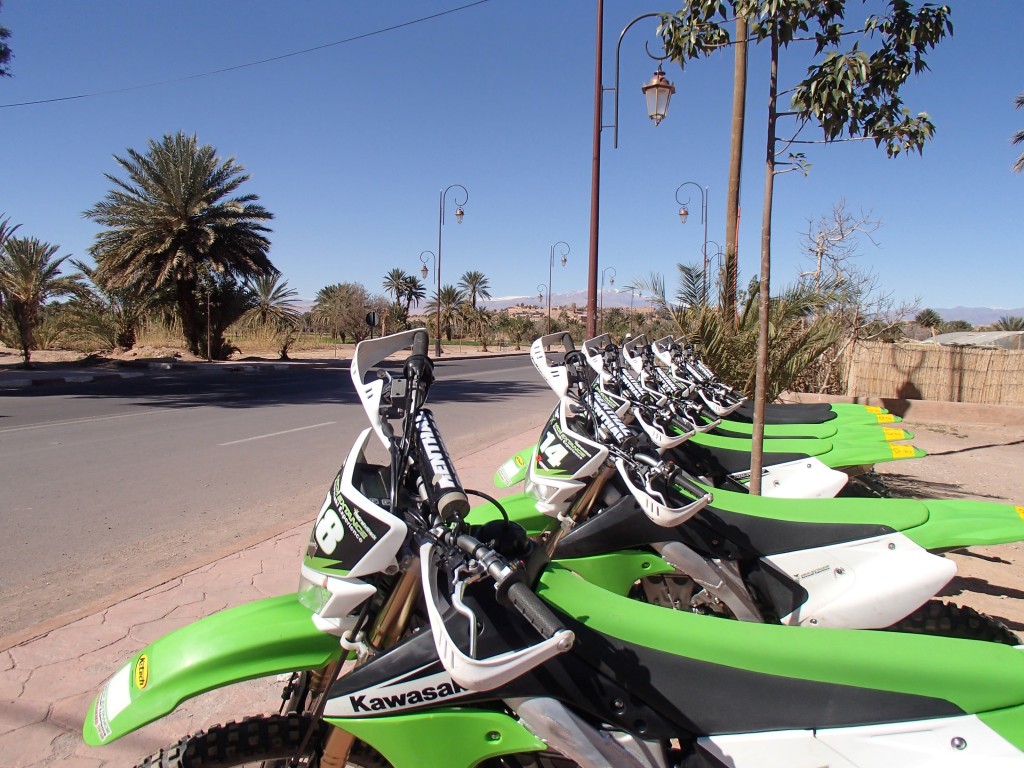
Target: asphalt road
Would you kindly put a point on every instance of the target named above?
(107, 484)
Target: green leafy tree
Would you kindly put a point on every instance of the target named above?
(851, 91)
(516, 327)
(5, 51)
(475, 285)
(175, 218)
(1018, 137)
(955, 326)
(340, 310)
(30, 277)
(273, 311)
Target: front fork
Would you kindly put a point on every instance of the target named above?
(387, 630)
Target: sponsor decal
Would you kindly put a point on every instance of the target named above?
(902, 451)
(814, 572)
(891, 434)
(99, 716)
(399, 695)
(1019, 511)
(885, 418)
(140, 673)
(873, 409)
(519, 461)
(436, 456)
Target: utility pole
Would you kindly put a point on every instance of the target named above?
(732, 208)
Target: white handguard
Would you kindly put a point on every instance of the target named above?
(482, 674)
(657, 509)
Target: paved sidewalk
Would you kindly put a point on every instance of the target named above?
(46, 683)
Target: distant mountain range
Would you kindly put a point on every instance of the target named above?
(978, 315)
(623, 299)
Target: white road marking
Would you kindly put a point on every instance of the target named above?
(275, 434)
(69, 422)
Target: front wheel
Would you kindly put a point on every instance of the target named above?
(260, 740)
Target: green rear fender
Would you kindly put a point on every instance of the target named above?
(442, 738)
(266, 637)
(965, 523)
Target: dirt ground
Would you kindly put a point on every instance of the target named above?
(972, 462)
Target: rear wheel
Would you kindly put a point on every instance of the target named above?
(950, 620)
(264, 739)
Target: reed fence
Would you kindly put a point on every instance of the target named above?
(932, 372)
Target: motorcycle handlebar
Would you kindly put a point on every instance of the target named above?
(519, 594)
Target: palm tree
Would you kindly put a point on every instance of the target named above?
(475, 284)
(929, 318)
(1009, 323)
(414, 292)
(29, 277)
(395, 283)
(449, 306)
(104, 316)
(273, 310)
(176, 217)
(1018, 137)
(800, 329)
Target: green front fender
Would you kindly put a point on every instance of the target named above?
(266, 637)
(442, 738)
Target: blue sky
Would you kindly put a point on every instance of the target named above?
(349, 145)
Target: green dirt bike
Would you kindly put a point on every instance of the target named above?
(419, 641)
(853, 563)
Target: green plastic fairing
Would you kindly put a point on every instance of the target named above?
(258, 639)
(442, 738)
(958, 671)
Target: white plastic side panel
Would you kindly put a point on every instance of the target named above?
(954, 742)
(866, 584)
(808, 478)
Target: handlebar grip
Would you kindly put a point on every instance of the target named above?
(419, 343)
(534, 610)
(690, 486)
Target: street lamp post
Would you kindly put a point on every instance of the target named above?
(459, 213)
(424, 271)
(718, 254)
(551, 265)
(684, 214)
(658, 92)
(611, 280)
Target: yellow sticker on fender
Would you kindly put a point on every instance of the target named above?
(885, 418)
(902, 451)
(873, 409)
(140, 673)
(891, 434)
(1019, 511)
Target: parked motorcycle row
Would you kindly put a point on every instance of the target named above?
(633, 606)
